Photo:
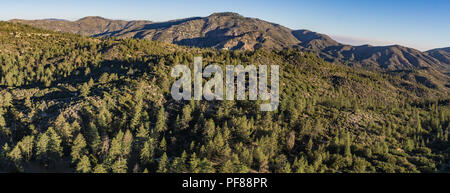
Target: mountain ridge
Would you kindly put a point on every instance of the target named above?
(232, 31)
(441, 54)
(87, 26)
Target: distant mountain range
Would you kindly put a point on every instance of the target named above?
(234, 32)
(88, 26)
(442, 54)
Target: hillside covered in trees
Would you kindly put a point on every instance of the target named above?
(232, 31)
(70, 103)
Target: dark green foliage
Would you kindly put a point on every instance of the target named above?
(78, 104)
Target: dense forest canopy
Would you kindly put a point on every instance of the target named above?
(70, 103)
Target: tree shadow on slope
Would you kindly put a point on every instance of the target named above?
(152, 26)
(215, 38)
(77, 76)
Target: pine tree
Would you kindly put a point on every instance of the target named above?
(120, 166)
(178, 124)
(206, 166)
(286, 168)
(161, 120)
(194, 163)
(210, 129)
(78, 148)
(116, 146)
(7, 99)
(147, 153)
(227, 167)
(104, 78)
(85, 90)
(63, 128)
(26, 146)
(54, 145)
(186, 117)
(93, 138)
(42, 147)
(127, 143)
(84, 166)
(99, 169)
(310, 144)
(300, 165)
(142, 134)
(163, 145)
(15, 154)
(163, 164)
(138, 98)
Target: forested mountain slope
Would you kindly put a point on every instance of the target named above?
(232, 31)
(70, 103)
(88, 26)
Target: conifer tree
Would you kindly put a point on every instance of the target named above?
(163, 164)
(84, 166)
(78, 148)
(26, 145)
(227, 167)
(147, 152)
(15, 154)
(85, 90)
(194, 163)
(54, 145)
(161, 125)
(99, 168)
(120, 165)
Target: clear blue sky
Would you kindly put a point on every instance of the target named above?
(422, 24)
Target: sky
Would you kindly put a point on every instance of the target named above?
(420, 24)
